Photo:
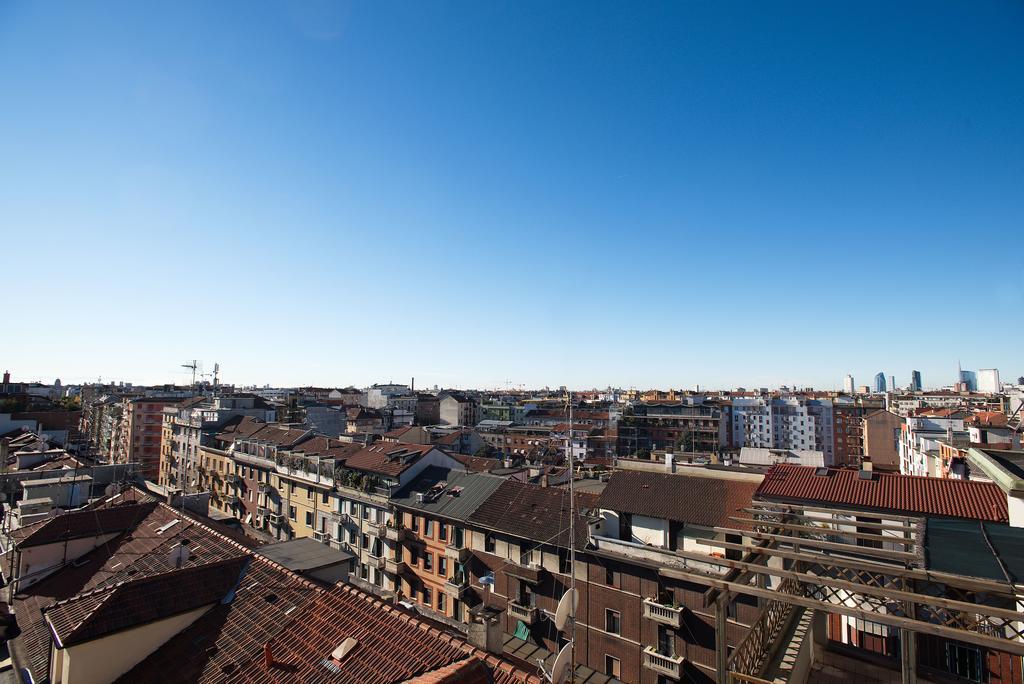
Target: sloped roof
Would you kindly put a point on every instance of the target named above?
(136, 602)
(464, 492)
(696, 500)
(909, 494)
(533, 512)
(79, 524)
(392, 645)
(387, 458)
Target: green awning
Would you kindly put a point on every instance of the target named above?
(522, 631)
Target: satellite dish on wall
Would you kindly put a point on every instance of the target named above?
(560, 670)
(566, 609)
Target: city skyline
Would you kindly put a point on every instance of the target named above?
(587, 196)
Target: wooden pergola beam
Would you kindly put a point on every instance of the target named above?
(918, 626)
(875, 513)
(959, 581)
(833, 521)
(810, 529)
(815, 544)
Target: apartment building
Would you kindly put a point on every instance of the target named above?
(192, 424)
(644, 427)
(139, 433)
(881, 431)
(795, 423)
(456, 408)
(641, 616)
(848, 427)
(433, 556)
(920, 435)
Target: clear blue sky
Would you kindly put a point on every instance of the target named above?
(634, 194)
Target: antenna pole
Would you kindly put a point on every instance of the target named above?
(572, 545)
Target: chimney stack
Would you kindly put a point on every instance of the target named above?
(7, 377)
(268, 656)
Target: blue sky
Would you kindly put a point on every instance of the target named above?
(474, 193)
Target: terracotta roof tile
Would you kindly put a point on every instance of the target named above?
(698, 500)
(533, 512)
(907, 494)
(79, 524)
(387, 458)
(138, 601)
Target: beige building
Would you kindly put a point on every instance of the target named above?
(881, 432)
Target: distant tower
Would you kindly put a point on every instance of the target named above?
(892, 383)
(848, 384)
(880, 383)
(915, 381)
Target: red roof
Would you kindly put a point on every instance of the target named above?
(79, 524)
(136, 602)
(387, 458)
(392, 645)
(908, 494)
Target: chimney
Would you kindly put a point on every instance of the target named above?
(7, 377)
(268, 656)
(865, 464)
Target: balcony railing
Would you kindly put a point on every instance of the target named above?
(395, 533)
(264, 488)
(456, 587)
(527, 614)
(232, 500)
(528, 572)
(277, 519)
(233, 479)
(322, 536)
(393, 566)
(670, 666)
(667, 615)
(378, 562)
(458, 553)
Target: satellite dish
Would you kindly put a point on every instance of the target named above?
(566, 609)
(563, 661)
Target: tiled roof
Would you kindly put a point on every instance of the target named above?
(78, 524)
(138, 601)
(392, 645)
(533, 512)
(327, 447)
(478, 464)
(908, 494)
(697, 500)
(387, 458)
(271, 604)
(238, 427)
(281, 435)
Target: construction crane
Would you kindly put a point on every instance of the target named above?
(194, 365)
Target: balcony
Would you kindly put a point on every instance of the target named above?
(666, 615)
(263, 511)
(372, 527)
(525, 613)
(456, 587)
(232, 500)
(669, 666)
(395, 533)
(527, 572)
(277, 520)
(378, 562)
(393, 566)
(322, 536)
(233, 479)
(264, 488)
(457, 553)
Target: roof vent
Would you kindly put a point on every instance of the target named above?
(821, 472)
(865, 475)
(344, 648)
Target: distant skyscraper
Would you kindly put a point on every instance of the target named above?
(880, 383)
(915, 381)
(848, 384)
(969, 380)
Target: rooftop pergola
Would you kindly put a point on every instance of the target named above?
(802, 556)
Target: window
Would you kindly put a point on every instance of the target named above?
(428, 561)
(366, 541)
(442, 566)
(352, 537)
(964, 661)
(415, 523)
(611, 621)
(489, 543)
(609, 577)
(309, 518)
(428, 528)
(291, 512)
(612, 667)
(426, 596)
(442, 532)
(441, 601)
(324, 497)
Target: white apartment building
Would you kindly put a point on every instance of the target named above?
(791, 423)
(919, 441)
